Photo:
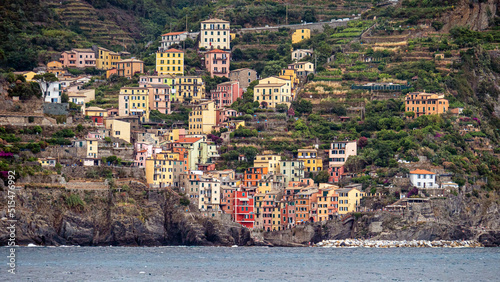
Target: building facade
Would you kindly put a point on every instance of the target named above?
(171, 38)
(202, 118)
(301, 34)
(425, 104)
(170, 61)
(129, 67)
(214, 34)
(78, 58)
(134, 101)
(244, 76)
(225, 94)
(217, 62)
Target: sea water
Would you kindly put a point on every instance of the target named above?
(252, 263)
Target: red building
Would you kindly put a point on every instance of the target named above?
(97, 120)
(226, 94)
(335, 173)
(243, 209)
(223, 115)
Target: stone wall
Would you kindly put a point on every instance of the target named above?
(56, 109)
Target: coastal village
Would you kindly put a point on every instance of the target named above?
(215, 159)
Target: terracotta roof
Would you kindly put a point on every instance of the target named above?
(174, 33)
(421, 171)
(173, 50)
(142, 151)
(217, 51)
(188, 140)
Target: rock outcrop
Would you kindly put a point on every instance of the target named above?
(135, 217)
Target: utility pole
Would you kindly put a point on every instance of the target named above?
(286, 13)
(186, 22)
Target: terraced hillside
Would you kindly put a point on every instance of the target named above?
(97, 25)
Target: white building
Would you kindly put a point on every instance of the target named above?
(214, 34)
(171, 38)
(298, 54)
(423, 179)
(51, 91)
(340, 151)
(209, 194)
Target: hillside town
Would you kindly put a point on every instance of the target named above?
(207, 159)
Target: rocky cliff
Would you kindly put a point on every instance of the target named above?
(454, 218)
(478, 15)
(130, 216)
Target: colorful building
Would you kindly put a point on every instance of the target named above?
(422, 103)
(293, 170)
(129, 67)
(160, 170)
(134, 101)
(47, 161)
(106, 59)
(327, 203)
(170, 61)
(243, 209)
(312, 162)
(56, 68)
(225, 94)
(214, 34)
(252, 175)
(118, 129)
(272, 91)
(159, 98)
(209, 198)
(272, 162)
(188, 88)
(217, 62)
(78, 58)
(202, 118)
(349, 200)
(301, 34)
(303, 69)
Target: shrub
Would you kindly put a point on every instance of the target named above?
(74, 201)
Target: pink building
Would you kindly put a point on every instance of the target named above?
(144, 150)
(78, 58)
(226, 94)
(217, 62)
(223, 115)
(159, 98)
(335, 173)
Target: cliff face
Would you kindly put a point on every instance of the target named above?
(127, 218)
(478, 15)
(454, 218)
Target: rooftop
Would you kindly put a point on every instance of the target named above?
(421, 171)
(174, 33)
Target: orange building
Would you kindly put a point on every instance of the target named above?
(306, 206)
(253, 175)
(422, 103)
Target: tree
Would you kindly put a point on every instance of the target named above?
(282, 108)
(263, 104)
(45, 80)
(302, 106)
(322, 177)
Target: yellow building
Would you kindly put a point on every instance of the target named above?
(134, 101)
(327, 202)
(421, 103)
(276, 226)
(175, 134)
(106, 59)
(92, 148)
(56, 68)
(232, 35)
(159, 170)
(290, 74)
(202, 118)
(312, 162)
(118, 129)
(349, 199)
(47, 161)
(301, 34)
(190, 88)
(96, 112)
(129, 67)
(272, 91)
(272, 162)
(29, 76)
(170, 61)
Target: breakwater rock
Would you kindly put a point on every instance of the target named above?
(353, 243)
